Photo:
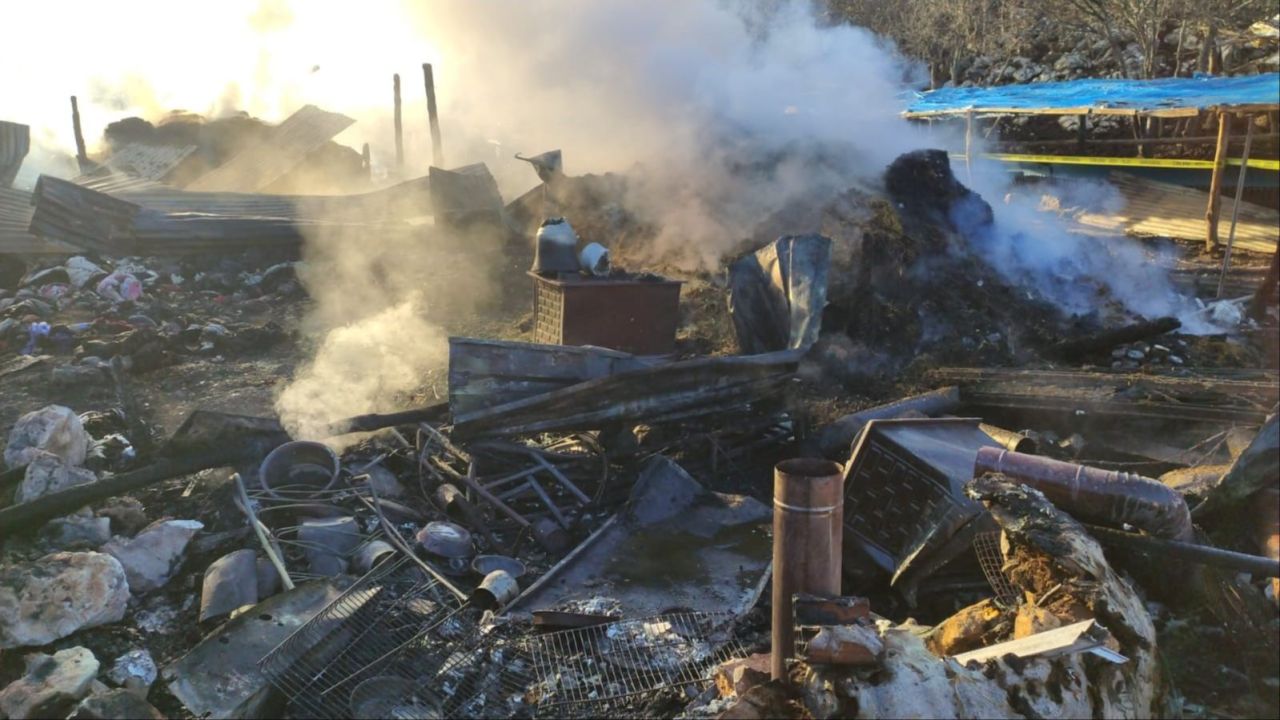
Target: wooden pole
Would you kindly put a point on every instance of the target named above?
(366, 160)
(395, 85)
(1268, 292)
(1235, 209)
(968, 145)
(1082, 130)
(1215, 183)
(82, 158)
(433, 117)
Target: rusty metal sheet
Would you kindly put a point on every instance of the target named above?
(663, 393)
(267, 160)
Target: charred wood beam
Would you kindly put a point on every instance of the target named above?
(31, 515)
(1104, 341)
(834, 440)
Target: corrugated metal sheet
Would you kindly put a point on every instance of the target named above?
(15, 143)
(114, 182)
(1159, 209)
(266, 161)
(150, 162)
(159, 221)
(15, 217)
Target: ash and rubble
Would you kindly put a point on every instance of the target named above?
(586, 531)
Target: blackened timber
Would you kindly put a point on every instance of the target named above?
(1104, 341)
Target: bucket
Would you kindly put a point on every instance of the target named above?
(301, 466)
(496, 590)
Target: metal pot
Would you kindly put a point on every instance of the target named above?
(302, 466)
(556, 247)
(449, 543)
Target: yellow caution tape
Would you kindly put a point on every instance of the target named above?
(1254, 163)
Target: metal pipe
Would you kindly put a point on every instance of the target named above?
(1092, 494)
(808, 512)
(1011, 440)
(1235, 207)
(1202, 554)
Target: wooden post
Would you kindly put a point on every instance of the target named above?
(395, 84)
(366, 160)
(1138, 135)
(1082, 130)
(82, 158)
(437, 150)
(1268, 291)
(1215, 183)
(968, 144)
(1235, 209)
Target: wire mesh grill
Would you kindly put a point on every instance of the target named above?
(609, 669)
(353, 640)
(395, 645)
(986, 545)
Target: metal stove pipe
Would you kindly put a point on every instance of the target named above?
(808, 512)
(1094, 495)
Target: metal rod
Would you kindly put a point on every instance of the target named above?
(1235, 208)
(560, 477)
(485, 494)
(546, 500)
(808, 511)
(395, 87)
(433, 117)
(394, 538)
(1202, 554)
(261, 532)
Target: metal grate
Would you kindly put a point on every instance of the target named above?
(608, 670)
(394, 645)
(986, 545)
(357, 637)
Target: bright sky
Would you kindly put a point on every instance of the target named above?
(144, 57)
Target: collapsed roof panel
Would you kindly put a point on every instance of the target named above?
(15, 143)
(163, 221)
(15, 218)
(264, 161)
(149, 162)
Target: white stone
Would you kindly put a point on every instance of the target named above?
(59, 594)
(53, 684)
(53, 428)
(135, 664)
(150, 557)
(47, 473)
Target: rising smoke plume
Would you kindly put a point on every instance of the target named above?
(722, 111)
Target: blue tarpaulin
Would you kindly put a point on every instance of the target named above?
(1141, 95)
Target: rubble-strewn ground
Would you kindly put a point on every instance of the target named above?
(226, 339)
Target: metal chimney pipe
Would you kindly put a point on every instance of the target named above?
(1094, 495)
(808, 512)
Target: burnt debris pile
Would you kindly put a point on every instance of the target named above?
(857, 469)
